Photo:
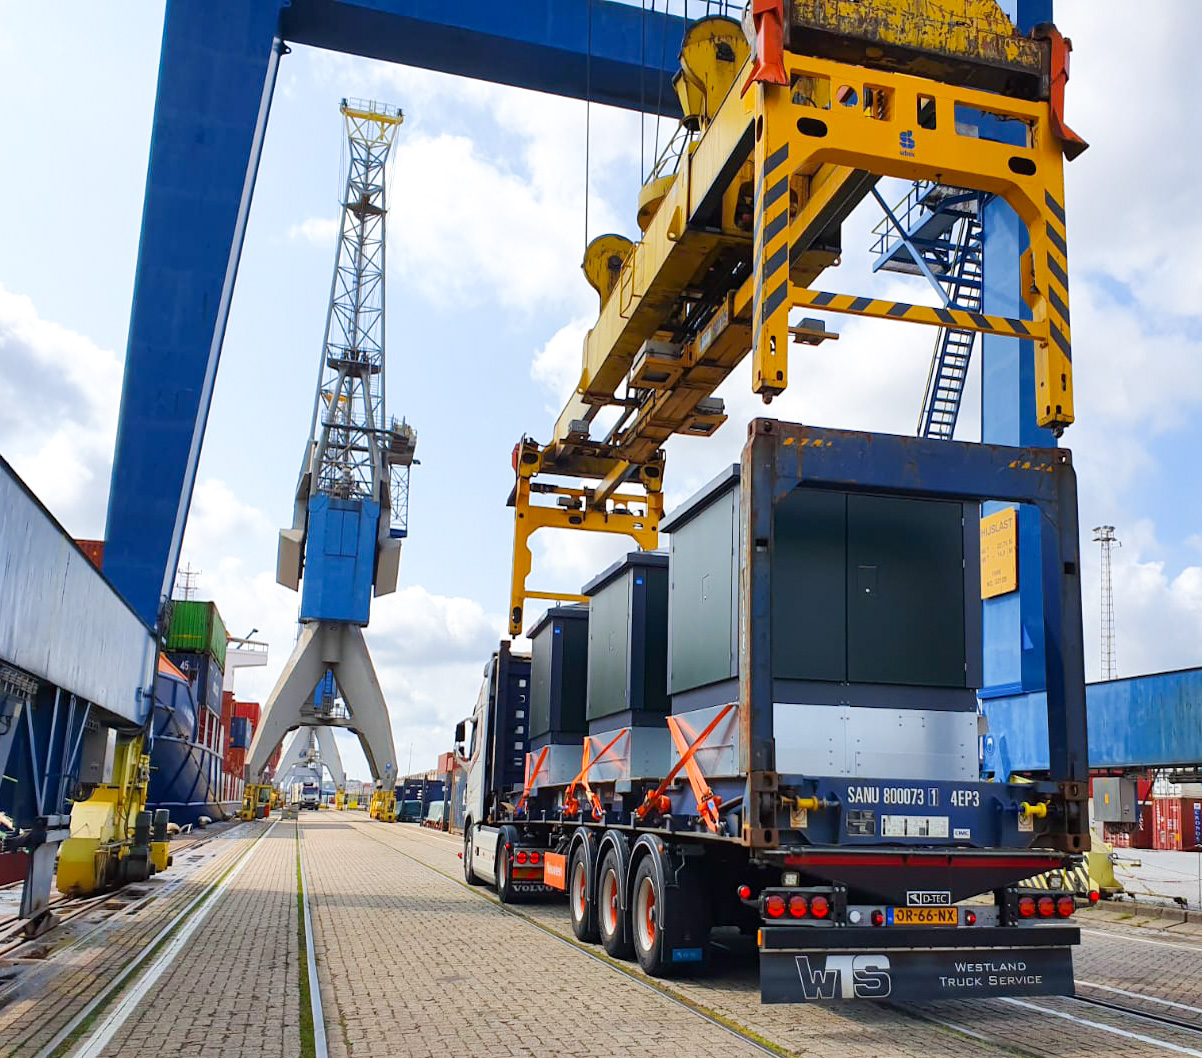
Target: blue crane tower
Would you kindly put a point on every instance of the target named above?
(352, 495)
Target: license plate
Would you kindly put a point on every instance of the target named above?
(923, 916)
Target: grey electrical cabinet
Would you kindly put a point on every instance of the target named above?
(559, 676)
(628, 643)
(874, 598)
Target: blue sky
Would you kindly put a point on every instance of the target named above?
(487, 308)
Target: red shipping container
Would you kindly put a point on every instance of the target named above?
(248, 710)
(235, 762)
(94, 550)
(1177, 824)
(446, 763)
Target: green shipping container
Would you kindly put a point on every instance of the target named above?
(197, 627)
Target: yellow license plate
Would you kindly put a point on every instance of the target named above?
(923, 916)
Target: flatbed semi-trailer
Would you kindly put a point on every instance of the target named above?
(825, 799)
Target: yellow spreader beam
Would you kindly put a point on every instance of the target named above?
(782, 147)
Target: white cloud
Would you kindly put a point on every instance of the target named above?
(60, 394)
(320, 231)
(557, 364)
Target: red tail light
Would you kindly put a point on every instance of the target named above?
(970, 918)
(878, 918)
(520, 857)
(1047, 907)
(798, 906)
(1026, 906)
(744, 892)
(774, 906)
(1094, 896)
(534, 857)
(1065, 906)
(819, 906)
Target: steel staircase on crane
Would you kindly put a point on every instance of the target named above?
(943, 225)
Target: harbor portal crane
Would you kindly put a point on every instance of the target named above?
(351, 509)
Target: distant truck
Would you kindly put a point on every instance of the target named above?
(775, 727)
(305, 795)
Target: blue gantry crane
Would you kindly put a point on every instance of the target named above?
(351, 510)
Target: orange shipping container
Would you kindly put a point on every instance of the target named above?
(94, 549)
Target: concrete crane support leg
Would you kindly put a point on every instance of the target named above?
(327, 750)
(340, 649)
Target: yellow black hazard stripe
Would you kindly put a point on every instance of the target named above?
(770, 259)
(959, 319)
(1071, 879)
(1057, 284)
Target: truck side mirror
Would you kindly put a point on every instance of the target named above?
(460, 735)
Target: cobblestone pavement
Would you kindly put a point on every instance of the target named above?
(732, 991)
(412, 964)
(235, 991)
(1112, 956)
(45, 999)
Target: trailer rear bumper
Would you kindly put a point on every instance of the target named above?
(916, 964)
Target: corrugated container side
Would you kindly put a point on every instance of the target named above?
(239, 733)
(197, 627)
(94, 550)
(250, 710)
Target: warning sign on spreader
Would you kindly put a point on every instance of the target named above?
(999, 553)
(914, 975)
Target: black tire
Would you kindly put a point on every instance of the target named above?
(504, 876)
(581, 905)
(611, 919)
(646, 909)
(469, 875)
(669, 927)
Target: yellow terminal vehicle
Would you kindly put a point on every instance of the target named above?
(383, 805)
(114, 839)
(257, 801)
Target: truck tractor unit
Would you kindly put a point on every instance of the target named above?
(774, 726)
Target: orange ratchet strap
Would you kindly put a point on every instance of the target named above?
(708, 802)
(531, 775)
(571, 805)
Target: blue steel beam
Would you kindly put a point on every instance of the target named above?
(216, 75)
(1138, 722)
(614, 52)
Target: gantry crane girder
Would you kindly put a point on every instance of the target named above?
(787, 144)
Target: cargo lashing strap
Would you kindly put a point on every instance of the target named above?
(571, 804)
(531, 775)
(708, 802)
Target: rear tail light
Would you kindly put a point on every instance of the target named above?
(744, 892)
(798, 906)
(1065, 906)
(1026, 906)
(774, 906)
(534, 857)
(1094, 896)
(878, 917)
(520, 857)
(1047, 907)
(970, 918)
(819, 907)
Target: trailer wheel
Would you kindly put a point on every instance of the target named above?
(610, 917)
(504, 876)
(580, 906)
(669, 927)
(469, 875)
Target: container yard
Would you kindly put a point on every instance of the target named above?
(689, 692)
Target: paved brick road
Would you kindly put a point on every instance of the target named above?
(49, 997)
(861, 1031)
(234, 992)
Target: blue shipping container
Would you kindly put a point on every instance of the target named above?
(240, 733)
(205, 675)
